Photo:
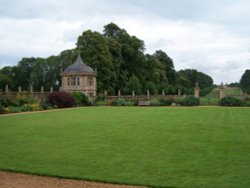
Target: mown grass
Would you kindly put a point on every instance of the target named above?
(157, 147)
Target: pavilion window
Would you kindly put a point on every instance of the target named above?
(68, 81)
(90, 81)
(77, 81)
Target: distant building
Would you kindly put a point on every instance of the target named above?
(79, 77)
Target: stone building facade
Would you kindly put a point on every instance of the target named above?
(79, 77)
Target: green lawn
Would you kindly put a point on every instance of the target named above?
(158, 147)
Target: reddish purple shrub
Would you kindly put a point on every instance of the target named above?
(61, 99)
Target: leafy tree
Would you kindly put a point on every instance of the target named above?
(151, 87)
(120, 62)
(245, 82)
(4, 80)
(133, 85)
(186, 79)
(95, 52)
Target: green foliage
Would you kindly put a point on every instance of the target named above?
(9, 101)
(4, 80)
(2, 108)
(206, 91)
(245, 82)
(133, 85)
(166, 102)
(189, 77)
(80, 98)
(190, 101)
(230, 101)
(122, 102)
(151, 87)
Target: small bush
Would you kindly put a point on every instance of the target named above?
(24, 99)
(61, 99)
(80, 98)
(165, 102)
(190, 101)
(122, 102)
(230, 101)
(8, 101)
(155, 103)
(101, 103)
(2, 111)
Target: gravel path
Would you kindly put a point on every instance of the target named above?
(17, 180)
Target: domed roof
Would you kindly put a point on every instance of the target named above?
(78, 67)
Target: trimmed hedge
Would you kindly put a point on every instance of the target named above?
(80, 98)
(190, 101)
(61, 99)
(230, 101)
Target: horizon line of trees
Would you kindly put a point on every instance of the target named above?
(121, 64)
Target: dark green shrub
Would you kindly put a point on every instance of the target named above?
(165, 102)
(45, 105)
(190, 101)
(246, 103)
(80, 98)
(155, 103)
(1, 108)
(24, 99)
(230, 101)
(61, 99)
(122, 102)
(8, 101)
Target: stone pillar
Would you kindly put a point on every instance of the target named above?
(148, 94)
(42, 89)
(105, 93)
(19, 89)
(7, 89)
(119, 93)
(163, 92)
(179, 92)
(31, 88)
(133, 94)
(197, 90)
(221, 91)
(241, 92)
(51, 89)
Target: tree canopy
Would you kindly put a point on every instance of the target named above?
(120, 62)
(245, 82)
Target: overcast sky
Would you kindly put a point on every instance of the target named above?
(210, 36)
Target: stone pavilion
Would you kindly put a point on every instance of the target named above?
(79, 77)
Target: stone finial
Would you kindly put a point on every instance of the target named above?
(105, 93)
(197, 85)
(133, 93)
(51, 89)
(7, 88)
(197, 90)
(163, 92)
(222, 85)
(148, 94)
(42, 89)
(221, 91)
(31, 88)
(179, 92)
(19, 89)
(119, 93)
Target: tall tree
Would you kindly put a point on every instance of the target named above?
(94, 49)
(245, 81)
